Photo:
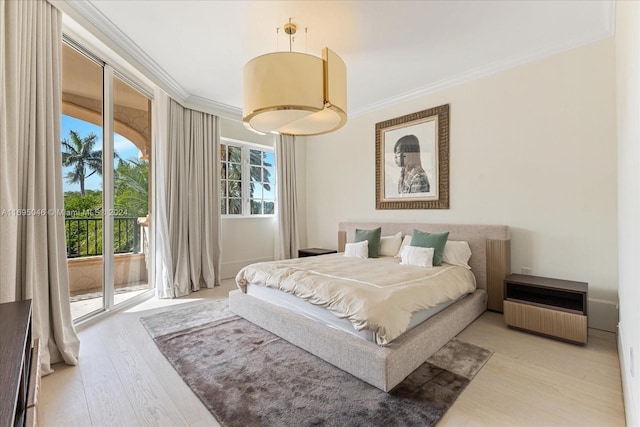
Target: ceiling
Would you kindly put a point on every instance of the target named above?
(394, 50)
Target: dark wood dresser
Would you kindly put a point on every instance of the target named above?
(19, 366)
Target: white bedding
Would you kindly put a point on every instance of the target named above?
(376, 295)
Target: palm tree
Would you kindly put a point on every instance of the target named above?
(260, 172)
(131, 183)
(79, 154)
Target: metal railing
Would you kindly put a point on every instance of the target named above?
(84, 236)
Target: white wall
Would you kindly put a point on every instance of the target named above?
(628, 79)
(532, 147)
(245, 240)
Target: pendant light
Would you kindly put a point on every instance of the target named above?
(295, 93)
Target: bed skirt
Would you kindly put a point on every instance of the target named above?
(383, 367)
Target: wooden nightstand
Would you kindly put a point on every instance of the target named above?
(552, 307)
(314, 252)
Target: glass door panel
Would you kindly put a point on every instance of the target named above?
(132, 146)
(82, 147)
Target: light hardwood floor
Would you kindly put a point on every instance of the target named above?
(123, 380)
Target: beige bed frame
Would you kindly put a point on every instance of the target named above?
(386, 366)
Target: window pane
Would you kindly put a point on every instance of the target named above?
(256, 191)
(268, 192)
(235, 171)
(268, 158)
(269, 208)
(82, 147)
(223, 207)
(132, 148)
(261, 178)
(234, 189)
(223, 153)
(223, 189)
(235, 206)
(268, 173)
(255, 157)
(235, 154)
(256, 173)
(255, 207)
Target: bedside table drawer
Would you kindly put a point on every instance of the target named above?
(568, 326)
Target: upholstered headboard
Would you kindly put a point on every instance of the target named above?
(490, 249)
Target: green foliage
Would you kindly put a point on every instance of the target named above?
(87, 206)
(261, 171)
(131, 199)
(131, 183)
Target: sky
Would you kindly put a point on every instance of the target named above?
(125, 149)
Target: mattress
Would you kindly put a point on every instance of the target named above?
(377, 295)
(326, 317)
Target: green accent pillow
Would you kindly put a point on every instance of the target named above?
(373, 237)
(431, 240)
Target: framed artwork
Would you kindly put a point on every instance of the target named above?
(412, 161)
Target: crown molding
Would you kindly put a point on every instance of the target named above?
(496, 67)
(155, 72)
(213, 107)
(120, 41)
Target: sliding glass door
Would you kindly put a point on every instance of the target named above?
(132, 137)
(105, 158)
(82, 151)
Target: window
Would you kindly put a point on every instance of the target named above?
(247, 185)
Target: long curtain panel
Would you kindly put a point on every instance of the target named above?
(161, 266)
(33, 261)
(186, 224)
(288, 237)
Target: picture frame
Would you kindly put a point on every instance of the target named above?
(412, 161)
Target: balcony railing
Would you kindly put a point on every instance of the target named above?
(84, 236)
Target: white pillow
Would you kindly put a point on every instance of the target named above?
(457, 253)
(389, 245)
(357, 250)
(405, 242)
(415, 255)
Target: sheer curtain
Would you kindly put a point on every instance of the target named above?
(33, 262)
(288, 238)
(186, 213)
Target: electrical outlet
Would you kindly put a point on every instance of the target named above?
(526, 270)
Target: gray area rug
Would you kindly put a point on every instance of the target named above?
(247, 376)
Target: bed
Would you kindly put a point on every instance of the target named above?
(385, 366)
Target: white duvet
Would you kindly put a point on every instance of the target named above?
(378, 294)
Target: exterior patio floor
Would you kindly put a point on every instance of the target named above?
(82, 305)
